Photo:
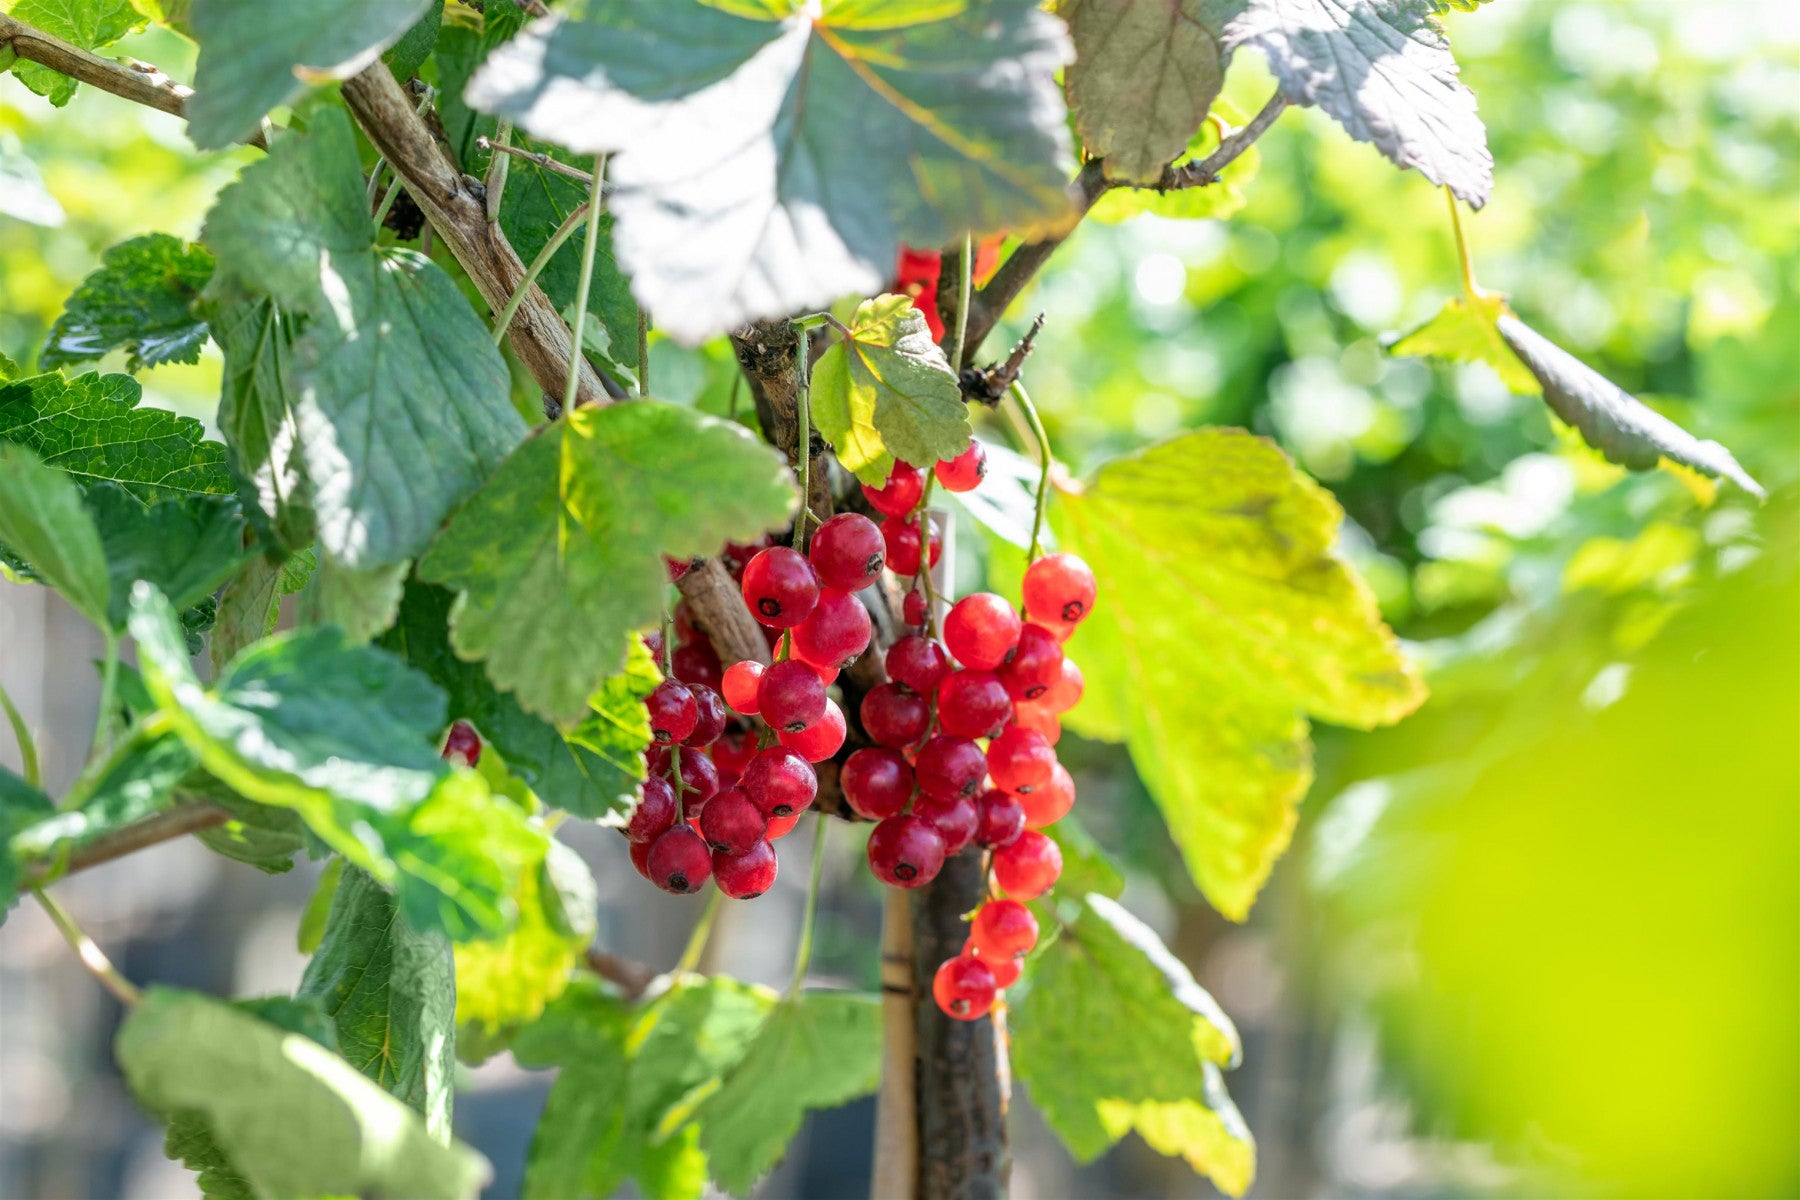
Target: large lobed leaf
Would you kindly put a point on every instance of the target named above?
(141, 300)
(1225, 620)
(771, 160)
(84, 24)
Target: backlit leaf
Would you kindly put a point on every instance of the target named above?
(1224, 197)
(1467, 331)
(141, 300)
(508, 981)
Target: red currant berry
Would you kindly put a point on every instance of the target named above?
(780, 587)
(900, 494)
(780, 782)
(462, 745)
(699, 776)
(1026, 869)
(673, 713)
(730, 755)
(826, 674)
(980, 630)
(1003, 929)
(696, 662)
(791, 696)
(906, 851)
(972, 704)
(893, 715)
(847, 552)
(654, 813)
(955, 819)
(1035, 664)
(918, 662)
(653, 644)
(710, 707)
(877, 782)
(965, 472)
(677, 567)
(963, 988)
(1059, 587)
(780, 827)
(1065, 693)
(913, 608)
(999, 819)
(903, 544)
(679, 861)
(1020, 760)
(731, 822)
(1035, 716)
(948, 767)
(1050, 803)
(748, 875)
(835, 632)
(1006, 971)
(741, 680)
(820, 740)
(640, 858)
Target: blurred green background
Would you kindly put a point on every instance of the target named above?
(1544, 936)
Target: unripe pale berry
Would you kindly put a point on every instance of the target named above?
(877, 782)
(1003, 929)
(1026, 869)
(791, 696)
(820, 740)
(731, 822)
(906, 851)
(679, 861)
(919, 662)
(972, 704)
(893, 715)
(980, 630)
(948, 767)
(748, 875)
(848, 552)
(1059, 588)
(835, 633)
(780, 782)
(963, 988)
(898, 496)
(654, 813)
(740, 683)
(965, 472)
(780, 587)
(1020, 760)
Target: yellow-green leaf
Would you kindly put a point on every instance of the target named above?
(1465, 331)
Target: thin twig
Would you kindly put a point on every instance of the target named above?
(167, 825)
(633, 978)
(965, 268)
(495, 183)
(577, 356)
(989, 384)
(91, 956)
(643, 349)
(538, 160)
(1229, 149)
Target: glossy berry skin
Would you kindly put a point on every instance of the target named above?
(981, 630)
(954, 818)
(1026, 869)
(900, 494)
(780, 827)
(653, 644)
(972, 704)
(912, 609)
(673, 713)
(654, 813)
(1050, 803)
(877, 782)
(847, 552)
(730, 755)
(919, 662)
(1003, 929)
(835, 633)
(780, 587)
(696, 662)
(640, 858)
(903, 544)
(462, 745)
(679, 861)
(791, 696)
(1020, 760)
(697, 772)
(712, 715)
(895, 716)
(1006, 970)
(820, 740)
(1059, 588)
(963, 988)
(732, 823)
(740, 683)
(965, 472)
(780, 782)
(999, 819)
(906, 851)
(1034, 666)
(1065, 693)
(748, 875)
(1027, 715)
(949, 767)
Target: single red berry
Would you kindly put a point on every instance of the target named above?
(748, 875)
(894, 715)
(917, 277)
(1026, 869)
(673, 713)
(1020, 760)
(820, 740)
(711, 716)
(462, 745)
(698, 773)
(791, 696)
(730, 755)
(980, 630)
(1065, 693)
(919, 662)
(963, 988)
(741, 680)
(999, 819)
(653, 643)
(1034, 665)
(1060, 587)
(900, 494)
(640, 858)
(965, 472)
(696, 662)
(835, 633)
(1050, 803)
(732, 823)
(780, 782)
(780, 827)
(1003, 929)
(679, 861)
(677, 567)
(780, 587)
(847, 552)
(906, 851)
(972, 704)
(948, 767)
(827, 675)
(955, 818)
(877, 782)
(1006, 971)
(903, 544)
(913, 608)
(654, 813)
(1027, 715)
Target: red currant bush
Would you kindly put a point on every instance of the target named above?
(972, 704)
(905, 544)
(919, 662)
(836, 632)
(791, 696)
(893, 715)
(654, 813)
(948, 767)
(954, 818)
(1035, 665)
(821, 740)
(1059, 588)
(1020, 760)
(740, 684)
(1004, 929)
(965, 472)
(999, 819)
(731, 823)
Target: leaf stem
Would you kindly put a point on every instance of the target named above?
(803, 954)
(576, 354)
(803, 440)
(496, 172)
(91, 956)
(387, 201)
(1470, 288)
(109, 682)
(374, 188)
(696, 943)
(1044, 460)
(28, 756)
(967, 260)
(643, 365)
(563, 233)
(542, 161)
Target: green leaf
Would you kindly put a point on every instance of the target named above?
(318, 908)
(1468, 331)
(346, 736)
(886, 392)
(361, 603)
(9, 370)
(507, 982)
(1225, 620)
(250, 603)
(138, 781)
(92, 428)
(186, 546)
(559, 557)
(1382, 69)
(414, 47)
(84, 24)
(391, 993)
(817, 1050)
(141, 300)
(1222, 198)
(1112, 1034)
(257, 835)
(769, 166)
(1086, 867)
(254, 58)
(1611, 420)
(257, 418)
(1144, 76)
(43, 523)
(256, 1087)
(21, 806)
